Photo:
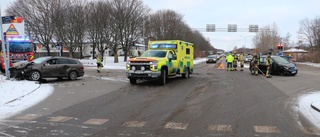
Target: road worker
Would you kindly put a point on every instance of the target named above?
(235, 60)
(268, 63)
(229, 61)
(241, 60)
(255, 64)
(99, 63)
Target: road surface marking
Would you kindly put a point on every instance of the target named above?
(174, 125)
(311, 130)
(60, 119)
(134, 124)
(266, 129)
(28, 117)
(224, 128)
(95, 121)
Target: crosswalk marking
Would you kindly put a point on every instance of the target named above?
(266, 129)
(28, 117)
(94, 121)
(60, 119)
(134, 124)
(224, 128)
(174, 125)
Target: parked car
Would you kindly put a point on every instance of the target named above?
(290, 59)
(248, 58)
(49, 67)
(279, 66)
(212, 58)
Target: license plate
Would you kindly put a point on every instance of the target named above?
(138, 72)
(294, 72)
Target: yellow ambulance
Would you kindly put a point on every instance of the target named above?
(163, 59)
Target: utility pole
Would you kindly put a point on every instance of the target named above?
(245, 42)
(3, 41)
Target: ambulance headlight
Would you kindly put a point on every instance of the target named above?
(133, 68)
(143, 68)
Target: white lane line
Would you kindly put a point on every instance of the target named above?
(224, 128)
(175, 125)
(60, 119)
(28, 117)
(266, 129)
(95, 121)
(134, 124)
(6, 135)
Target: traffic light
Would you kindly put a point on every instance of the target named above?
(280, 46)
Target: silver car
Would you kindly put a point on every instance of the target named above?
(54, 67)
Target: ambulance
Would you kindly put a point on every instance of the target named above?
(163, 59)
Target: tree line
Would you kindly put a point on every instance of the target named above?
(108, 24)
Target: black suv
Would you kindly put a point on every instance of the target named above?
(280, 66)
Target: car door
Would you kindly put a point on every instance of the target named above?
(262, 64)
(49, 68)
(63, 66)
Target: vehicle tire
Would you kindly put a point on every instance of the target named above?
(133, 81)
(186, 74)
(163, 77)
(35, 75)
(73, 75)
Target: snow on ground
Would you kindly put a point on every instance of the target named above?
(16, 96)
(310, 64)
(305, 104)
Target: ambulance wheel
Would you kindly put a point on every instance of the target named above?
(186, 74)
(163, 77)
(133, 81)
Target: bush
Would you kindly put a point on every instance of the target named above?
(313, 57)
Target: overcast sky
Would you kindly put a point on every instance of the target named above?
(198, 13)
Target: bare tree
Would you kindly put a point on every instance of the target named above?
(37, 14)
(310, 31)
(267, 38)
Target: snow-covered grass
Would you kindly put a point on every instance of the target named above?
(16, 96)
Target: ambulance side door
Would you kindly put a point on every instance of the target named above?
(174, 65)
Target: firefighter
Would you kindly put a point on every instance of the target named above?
(241, 60)
(255, 65)
(268, 63)
(229, 61)
(99, 63)
(235, 61)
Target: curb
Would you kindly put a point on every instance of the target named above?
(316, 106)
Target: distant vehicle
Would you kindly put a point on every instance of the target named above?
(248, 58)
(290, 59)
(49, 67)
(212, 58)
(280, 66)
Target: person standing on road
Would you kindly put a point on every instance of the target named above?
(255, 64)
(229, 61)
(99, 63)
(235, 60)
(241, 60)
(268, 63)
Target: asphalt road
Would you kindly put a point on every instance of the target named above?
(211, 103)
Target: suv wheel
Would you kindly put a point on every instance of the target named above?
(35, 75)
(73, 75)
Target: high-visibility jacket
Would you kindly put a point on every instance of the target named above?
(241, 57)
(230, 58)
(99, 60)
(268, 61)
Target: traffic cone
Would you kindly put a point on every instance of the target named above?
(221, 66)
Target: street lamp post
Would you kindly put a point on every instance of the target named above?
(245, 42)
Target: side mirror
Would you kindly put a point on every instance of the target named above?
(174, 57)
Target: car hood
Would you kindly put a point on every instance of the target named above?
(289, 65)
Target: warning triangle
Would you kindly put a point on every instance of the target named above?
(12, 30)
(221, 66)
